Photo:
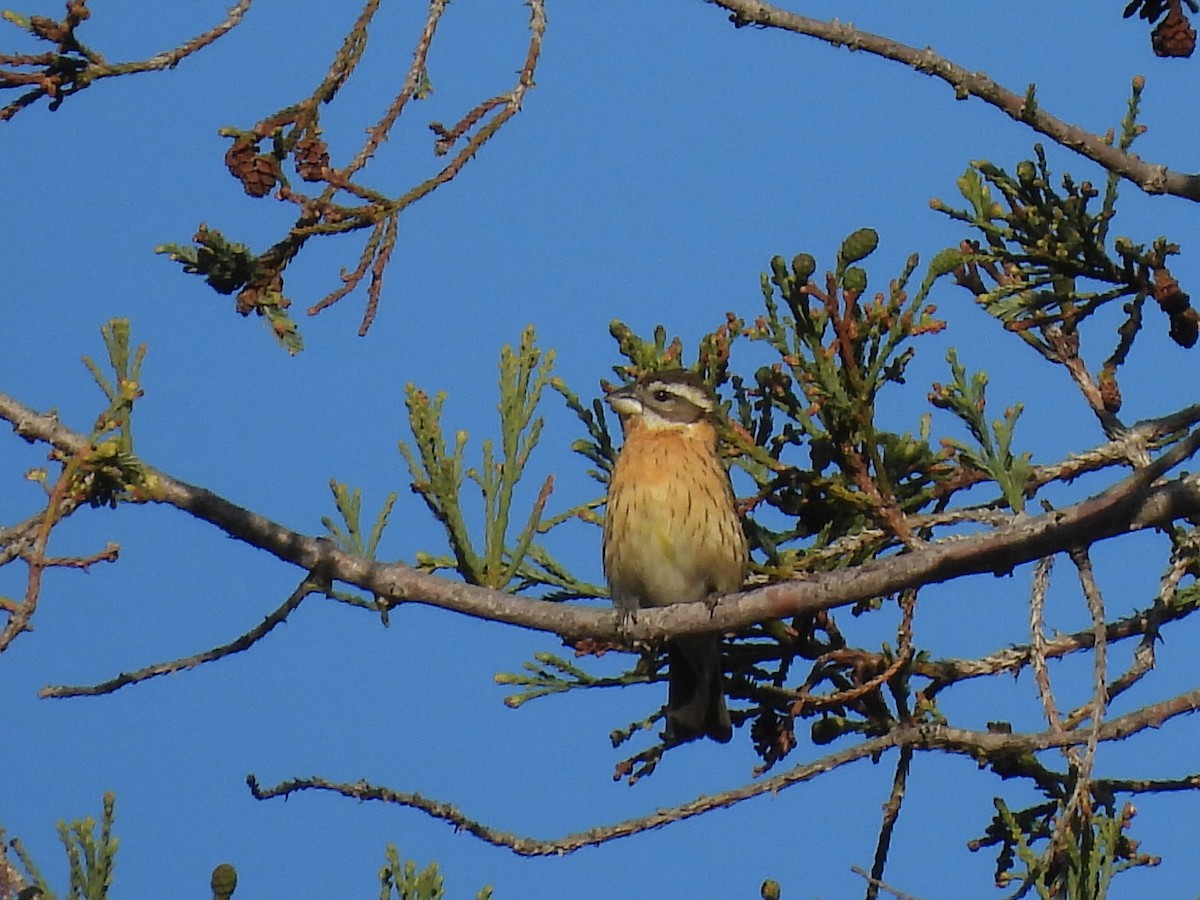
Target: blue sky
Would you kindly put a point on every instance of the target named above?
(662, 159)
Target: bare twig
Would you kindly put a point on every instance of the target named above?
(806, 701)
(15, 539)
(110, 553)
(412, 82)
(242, 642)
(1077, 810)
(1150, 785)
(20, 614)
(1095, 603)
(1037, 644)
(381, 214)
(172, 58)
(1143, 623)
(882, 885)
(891, 813)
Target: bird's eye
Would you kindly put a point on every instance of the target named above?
(662, 396)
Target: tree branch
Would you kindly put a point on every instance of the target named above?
(593, 837)
(1146, 622)
(1129, 505)
(1150, 177)
(980, 745)
(71, 67)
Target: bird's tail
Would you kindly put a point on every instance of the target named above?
(696, 700)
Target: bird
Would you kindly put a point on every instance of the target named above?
(672, 534)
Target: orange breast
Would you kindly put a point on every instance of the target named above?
(672, 534)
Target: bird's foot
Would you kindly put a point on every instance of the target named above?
(626, 618)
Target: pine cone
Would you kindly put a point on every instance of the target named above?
(772, 735)
(1171, 298)
(1110, 391)
(257, 172)
(1177, 304)
(312, 158)
(1173, 36)
(1185, 328)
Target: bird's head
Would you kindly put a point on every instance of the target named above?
(674, 398)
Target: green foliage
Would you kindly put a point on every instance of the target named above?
(128, 368)
(228, 266)
(1052, 242)
(1079, 868)
(597, 447)
(89, 855)
(1044, 265)
(836, 353)
(550, 674)
(965, 398)
(109, 472)
(1151, 10)
(349, 536)
(225, 265)
(90, 858)
(864, 491)
(645, 355)
(439, 473)
(37, 886)
(400, 880)
(656, 354)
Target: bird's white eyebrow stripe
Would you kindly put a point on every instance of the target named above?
(691, 393)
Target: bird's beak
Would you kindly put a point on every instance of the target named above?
(624, 403)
